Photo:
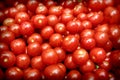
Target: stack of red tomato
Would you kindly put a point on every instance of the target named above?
(60, 40)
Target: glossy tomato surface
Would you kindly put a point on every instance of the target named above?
(59, 40)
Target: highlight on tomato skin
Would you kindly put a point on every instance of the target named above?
(59, 40)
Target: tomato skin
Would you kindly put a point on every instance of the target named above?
(21, 17)
(61, 54)
(102, 28)
(15, 28)
(21, 7)
(70, 43)
(3, 28)
(101, 38)
(22, 61)
(97, 55)
(45, 46)
(18, 46)
(47, 32)
(114, 58)
(79, 9)
(82, 16)
(37, 63)
(66, 17)
(34, 49)
(55, 10)
(56, 40)
(60, 28)
(96, 17)
(32, 74)
(88, 43)
(52, 20)
(88, 76)
(74, 75)
(8, 21)
(35, 37)
(109, 16)
(80, 56)
(39, 21)
(86, 33)
(7, 59)
(114, 32)
(7, 37)
(26, 28)
(41, 9)
(59, 40)
(12, 12)
(3, 46)
(69, 63)
(18, 73)
(101, 73)
(50, 75)
(49, 57)
(89, 66)
(32, 5)
(96, 5)
(74, 27)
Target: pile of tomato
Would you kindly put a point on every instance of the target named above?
(60, 40)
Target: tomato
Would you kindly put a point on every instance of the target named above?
(3, 28)
(21, 7)
(35, 37)
(47, 32)
(32, 74)
(80, 56)
(69, 63)
(89, 66)
(15, 28)
(34, 49)
(32, 5)
(45, 46)
(70, 43)
(74, 75)
(54, 72)
(59, 40)
(8, 21)
(18, 73)
(37, 63)
(101, 73)
(7, 59)
(49, 57)
(3, 47)
(21, 17)
(61, 54)
(39, 21)
(66, 17)
(56, 40)
(41, 9)
(18, 46)
(89, 75)
(55, 10)
(22, 61)
(87, 33)
(52, 20)
(12, 12)
(88, 43)
(60, 28)
(101, 38)
(114, 58)
(26, 28)
(98, 55)
(109, 16)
